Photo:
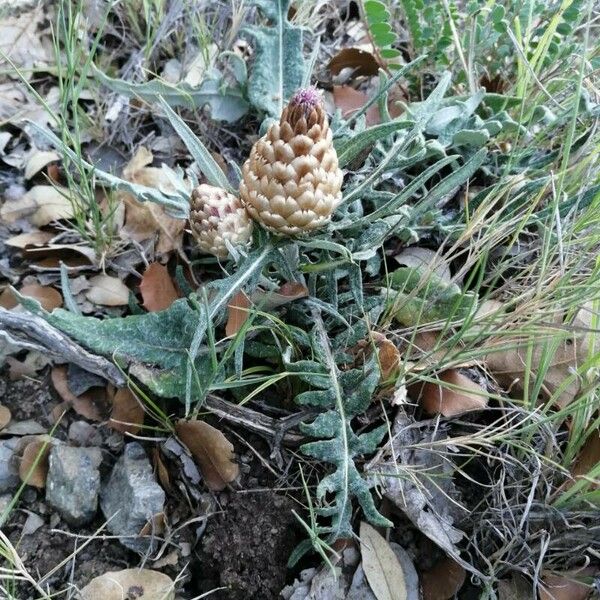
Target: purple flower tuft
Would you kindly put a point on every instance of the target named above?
(307, 97)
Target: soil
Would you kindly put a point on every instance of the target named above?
(246, 548)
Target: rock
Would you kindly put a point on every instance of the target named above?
(131, 498)
(73, 483)
(84, 434)
(5, 500)
(32, 523)
(9, 469)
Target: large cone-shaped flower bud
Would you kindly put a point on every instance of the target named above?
(292, 183)
(216, 216)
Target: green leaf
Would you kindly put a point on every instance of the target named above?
(278, 69)
(471, 137)
(206, 163)
(226, 104)
(384, 39)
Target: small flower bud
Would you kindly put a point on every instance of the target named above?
(216, 216)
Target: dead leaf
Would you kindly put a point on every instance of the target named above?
(508, 359)
(389, 359)
(443, 581)
(349, 100)
(418, 257)
(589, 457)
(41, 205)
(142, 584)
(147, 220)
(31, 238)
(288, 292)
(107, 291)
(515, 588)
(23, 43)
(455, 395)
(91, 404)
(38, 160)
(127, 415)
(212, 452)
(155, 525)
(157, 289)
(381, 566)
(5, 416)
(35, 453)
(161, 470)
(47, 296)
(30, 366)
(562, 587)
(360, 61)
(237, 313)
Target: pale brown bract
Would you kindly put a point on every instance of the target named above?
(217, 217)
(291, 183)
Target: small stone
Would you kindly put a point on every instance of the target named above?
(32, 523)
(73, 483)
(351, 556)
(5, 500)
(132, 497)
(9, 469)
(84, 434)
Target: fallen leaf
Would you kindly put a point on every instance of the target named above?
(31, 238)
(381, 566)
(212, 452)
(161, 470)
(157, 289)
(127, 414)
(508, 359)
(360, 61)
(35, 453)
(515, 588)
(142, 584)
(349, 100)
(91, 404)
(455, 395)
(42, 204)
(146, 220)
(38, 160)
(5, 416)
(47, 296)
(589, 456)
(107, 291)
(443, 581)
(32, 364)
(389, 359)
(237, 313)
(288, 292)
(562, 587)
(418, 257)
(155, 525)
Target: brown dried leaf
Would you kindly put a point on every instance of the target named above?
(349, 100)
(562, 587)
(515, 588)
(42, 204)
(35, 460)
(47, 296)
(157, 289)
(91, 404)
(288, 292)
(155, 526)
(443, 581)
(237, 313)
(361, 61)
(161, 470)
(142, 584)
(31, 238)
(464, 395)
(425, 258)
(107, 291)
(212, 452)
(381, 566)
(389, 359)
(589, 456)
(509, 364)
(127, 414)
(146, 220)
(5, 416)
